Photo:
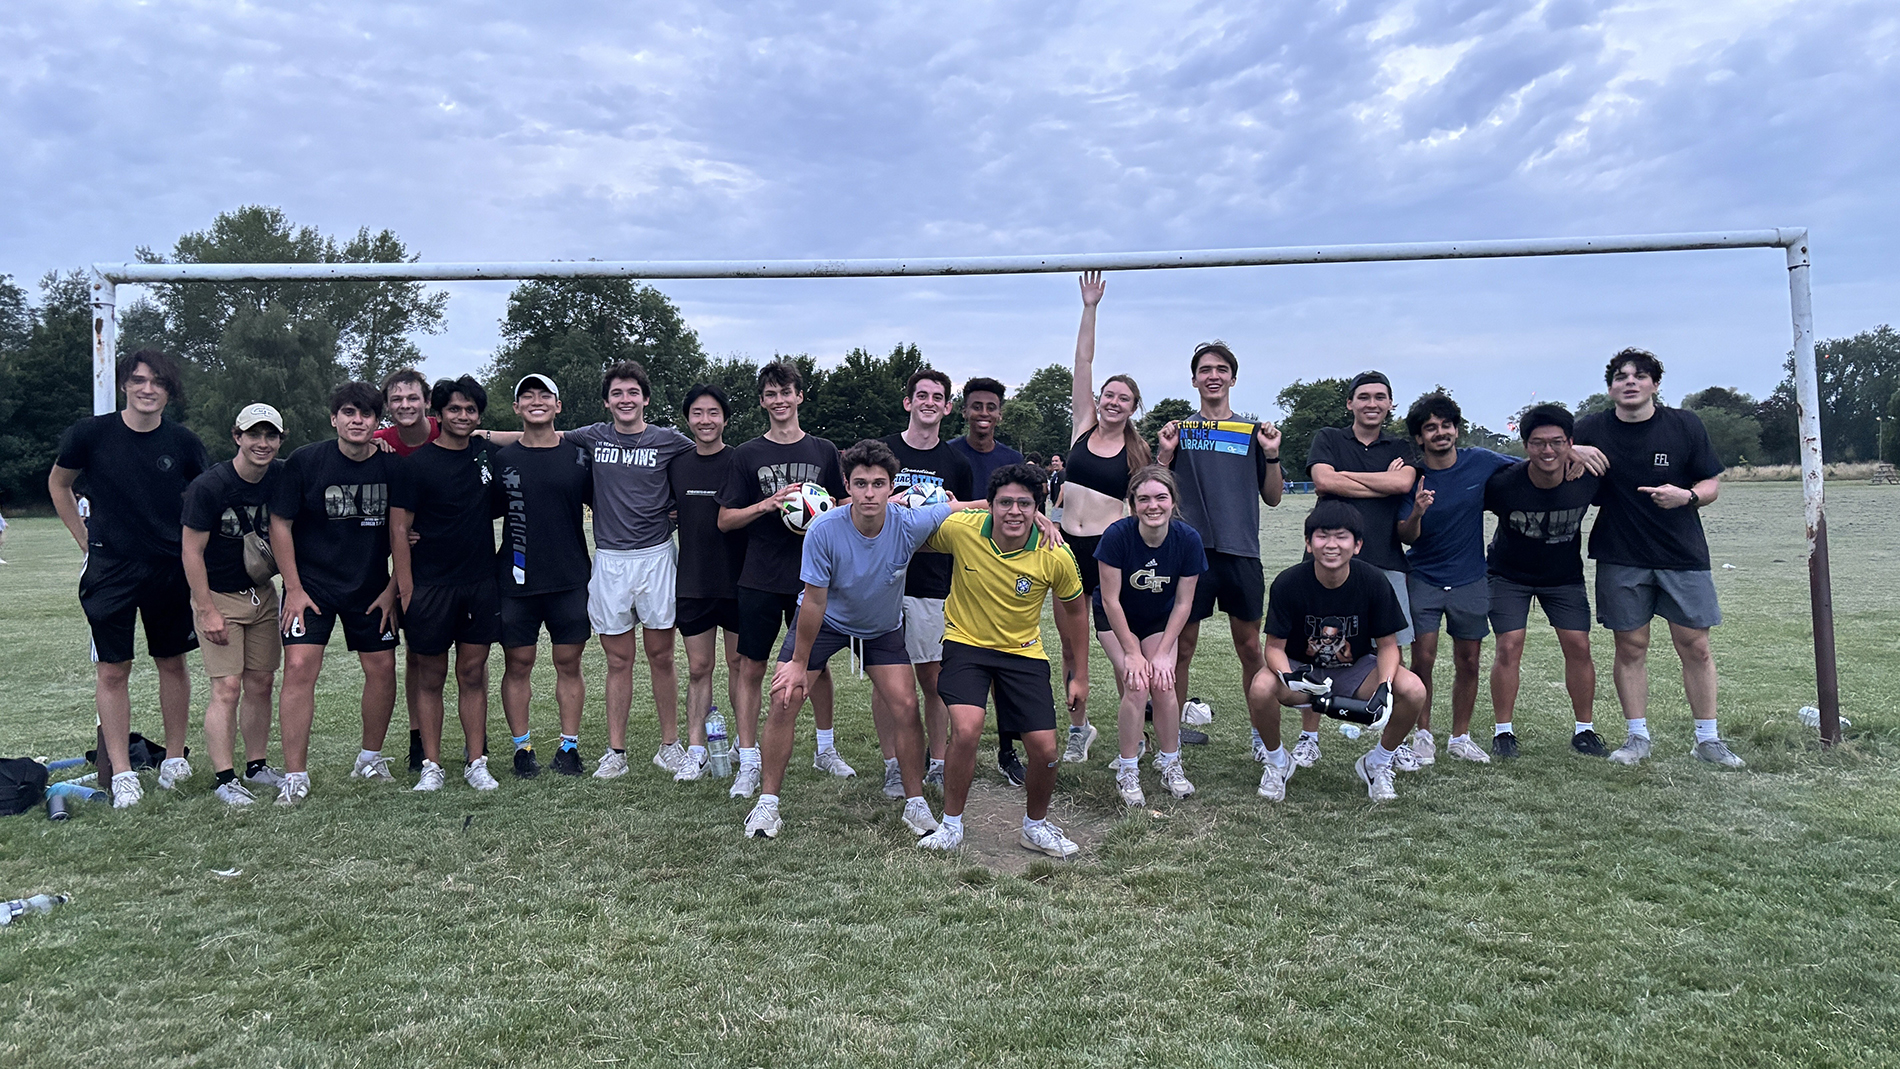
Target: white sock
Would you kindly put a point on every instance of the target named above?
(769, 800)
(1466, 737)
(935, 762)
(1169, 758)
(1638, 726)
(698, 753)
(825, 739)
(367, 755)
(749, 758)
(913, 800)
(1705, 730)
(1028, 824)
(1580, 727)
(1503, 728)
(1379, 757)
(1279, 757)
(951, 823)
(1314, 735)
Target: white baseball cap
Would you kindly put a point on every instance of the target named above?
(254, 414)
(539, 380)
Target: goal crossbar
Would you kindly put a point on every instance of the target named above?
(107, 277)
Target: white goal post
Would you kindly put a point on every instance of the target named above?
(106, 278)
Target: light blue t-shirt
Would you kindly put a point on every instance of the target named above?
(865, 576)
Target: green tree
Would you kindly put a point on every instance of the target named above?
(1308, 407)
(1036, 417)
(1857, 377)
(573, 329)
(1596, 402)
(863, 397)
(1729, 417)
(1164, 411)
(1890, 431)
(45, 379)
(739, 377)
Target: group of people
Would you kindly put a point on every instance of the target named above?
(935, 568)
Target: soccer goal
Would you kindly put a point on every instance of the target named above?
(106, 278)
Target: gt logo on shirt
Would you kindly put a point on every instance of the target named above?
(1662, 460)
(1023, 585)
(1146, 579)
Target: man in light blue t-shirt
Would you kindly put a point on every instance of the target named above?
(853, 565)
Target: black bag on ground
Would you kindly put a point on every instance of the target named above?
(22, 784)
(143, 752)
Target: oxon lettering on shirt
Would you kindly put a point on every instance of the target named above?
(774, 477)
(369, 501)
(1216, 435)
(1555, 527)
(632, 458)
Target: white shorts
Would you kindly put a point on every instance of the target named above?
(632, 586)
(923, 629)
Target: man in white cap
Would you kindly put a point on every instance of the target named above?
(226, 542)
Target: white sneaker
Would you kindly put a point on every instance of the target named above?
(1259, 749)
(431, 778)
(1424, 747)
(917, 817)
(1467, 749)
(1403, 759)
(1273, 781)
(1174, 778)
(294, 789)
(763, 822)
(669, 757)
(478, 776)
(1306, 752)
(1049, 839)
(612, 766)
(172, 771)
(1378, 781)
(375, 769)
(264, 777)
(933, 776)
(690, 769)
(126, 790)
(893, 781)
(833, 762)
(945, 838)
(235, 794)
(1077, 750)
(746, 783)
(1128, 782)
(1195, 712)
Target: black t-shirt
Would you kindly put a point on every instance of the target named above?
(136, 482)
(1332, 628)
(447, 489)
(946, 467)
(538, 493)
(710, 559)
(761, 468)
(1338, 447)
(338, 510)
(221, 502)
(1538, 540)
(1671, 447)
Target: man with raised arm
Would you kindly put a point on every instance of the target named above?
(710, 563)
(1652, 557)
(137, 466)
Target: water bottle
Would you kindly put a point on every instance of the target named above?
(75, 789)
(1811, 717)
(718, 750)
(56, 807)
(19, 907)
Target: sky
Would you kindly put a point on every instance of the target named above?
(614, 131)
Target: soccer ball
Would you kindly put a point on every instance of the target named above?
(919, 495)
(811, 502)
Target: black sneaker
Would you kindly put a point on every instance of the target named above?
(1011, 767)
(1505, 745)
(415, 751)
(526, 767)
(1588, 743)
(1191, 737)
(567, 762)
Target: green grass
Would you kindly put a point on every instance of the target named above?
(1553, 911)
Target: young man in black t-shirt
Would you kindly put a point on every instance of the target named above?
(1334, 617)
(447, 580)
(709, 566)
(1652, 558)
(1536, 554)
(137, 465)
(926, 460)
(541, 481)
(330, 534)
(765, 473)
(237, 611)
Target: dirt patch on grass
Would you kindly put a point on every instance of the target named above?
(993, 821)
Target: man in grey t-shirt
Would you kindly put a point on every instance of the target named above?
(635, 563)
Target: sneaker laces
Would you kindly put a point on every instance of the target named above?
(378, 766)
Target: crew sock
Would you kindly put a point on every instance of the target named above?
(953, 824)
(227, 775)
(826, 740)
(570, 742)
(1638, 726)
(769, 800)
(1379, 757)
(1503, 728)
(1314, 735)
(1279, 757)
(521, 741)
(252, 768)
(1705, 730)
(1581, 727)
(749, 758)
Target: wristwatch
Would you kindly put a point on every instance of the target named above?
(1695, 500)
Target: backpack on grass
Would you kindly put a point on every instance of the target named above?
(22, 784)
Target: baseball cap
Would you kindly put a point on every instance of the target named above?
(539, 380)
(254, 414)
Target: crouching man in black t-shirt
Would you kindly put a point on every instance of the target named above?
(1334, 618)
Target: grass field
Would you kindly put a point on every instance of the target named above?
(1552, 911)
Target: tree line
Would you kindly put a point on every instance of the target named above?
(289, 342)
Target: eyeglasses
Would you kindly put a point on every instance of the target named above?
(1544, 445)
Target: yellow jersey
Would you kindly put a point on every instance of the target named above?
(996, 598)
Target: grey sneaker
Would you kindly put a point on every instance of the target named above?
(1634, 750)
(1128, 782)
(918, 819)
(833, 762)
(933, 776)
(1080, 739)
(1716, 752)
(1049, 839)
(1306, 752)
(294, 789)
(373, 767)
(265, 777)
(1378, 781)
(670, 757)
(945, 838)
(1423, 747)
(172, 771)
(746, 783)
(1273, 781)
(1405, 759)
(1463, 748)
(612, 765)
(1174, 778)
(235, 794)
(763, 822)
(126, 790)
(893, 780)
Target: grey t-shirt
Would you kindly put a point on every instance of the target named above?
(864, 577)
(632, 495)
(1219, 467)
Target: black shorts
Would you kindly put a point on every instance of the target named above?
(696, 616)
(362, 630)
(563, 611)
(1024, 702)
(1085, 562)
(113, 592)
(1141, 627)
(1238, 585)
(887, 648)
(439, 617)
(761, 614)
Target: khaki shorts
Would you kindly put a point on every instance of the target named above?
(255, 642)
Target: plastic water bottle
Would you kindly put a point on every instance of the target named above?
(75, 789)
(1809, 716)
(20, 907)
(718, 750)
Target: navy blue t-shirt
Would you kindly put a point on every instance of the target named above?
(1450, 546)
(1150, 574)
(983, 465)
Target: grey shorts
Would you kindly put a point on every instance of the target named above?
(1567, 607)
(1347, 680)
(1629, 597)
(1463, 608)
(1401, 586)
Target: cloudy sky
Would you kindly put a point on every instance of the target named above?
(565, 130)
